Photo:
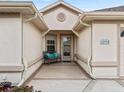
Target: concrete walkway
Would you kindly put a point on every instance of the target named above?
(68, 77)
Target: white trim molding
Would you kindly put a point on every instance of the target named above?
(104, 64)
(11, 68)
(34, 61)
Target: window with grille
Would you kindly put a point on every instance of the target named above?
(51, 45)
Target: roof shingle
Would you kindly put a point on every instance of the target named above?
(119, 9)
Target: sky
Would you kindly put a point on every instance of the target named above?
(85, 5)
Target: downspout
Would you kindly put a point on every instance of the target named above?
(89, 63)
(90, 57)
(24, 72)
(24, 62)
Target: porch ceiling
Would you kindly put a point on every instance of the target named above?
(74, 32)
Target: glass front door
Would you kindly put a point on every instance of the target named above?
(66, 47)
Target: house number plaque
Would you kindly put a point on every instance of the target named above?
(104, 42)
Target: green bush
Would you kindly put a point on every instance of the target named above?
(7, 87)
(22, 89)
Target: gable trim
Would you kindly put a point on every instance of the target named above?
(60, 3)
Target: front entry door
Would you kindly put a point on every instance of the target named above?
(67, 47)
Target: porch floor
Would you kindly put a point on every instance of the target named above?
(60, 71)
(68, 77)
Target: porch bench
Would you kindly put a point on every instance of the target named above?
(51, 57)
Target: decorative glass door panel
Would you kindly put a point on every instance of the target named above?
(66, 47)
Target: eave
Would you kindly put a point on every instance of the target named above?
(91, 16)
(103, 16)
(24, 8)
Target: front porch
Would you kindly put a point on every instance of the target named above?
(64, 76)
(68, 77)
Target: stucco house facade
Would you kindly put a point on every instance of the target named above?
(93, 39)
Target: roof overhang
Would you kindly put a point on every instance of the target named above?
(91, 16)
(26, 8)
(102, 16)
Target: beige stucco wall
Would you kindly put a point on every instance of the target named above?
(32, 38)
(121, 26)
(105, 52)
(32, 46)
(14, 77)
(51, 19)
(10, 38)
(122, 57)
(105, 57)
(84, 48)
(10, 47)
(105, 63)
(14, 34)
(84, 44)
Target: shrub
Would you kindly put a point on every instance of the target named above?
(7, 87)
(22, 89)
